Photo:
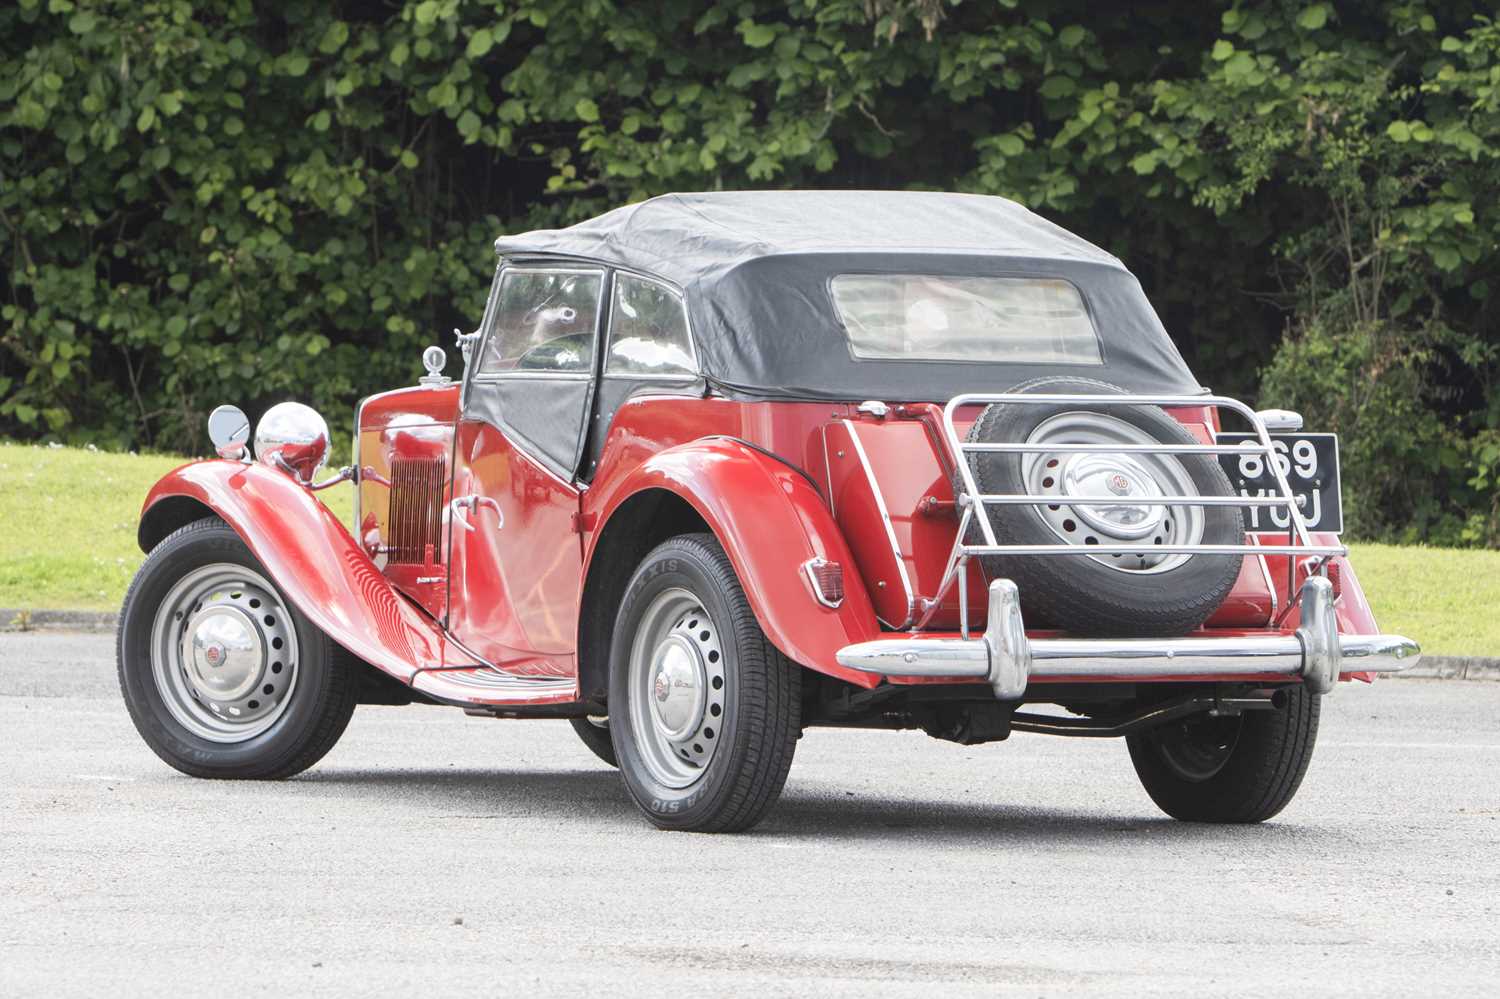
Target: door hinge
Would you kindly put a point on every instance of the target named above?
(583, 523)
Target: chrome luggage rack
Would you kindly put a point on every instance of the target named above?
(973, 504)
(1008, 659)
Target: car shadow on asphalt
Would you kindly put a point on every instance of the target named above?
(596, 796)
(866, 818)
(499, 791)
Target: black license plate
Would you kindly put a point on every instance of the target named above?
(1310, 463)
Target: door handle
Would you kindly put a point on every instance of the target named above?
(462, 506)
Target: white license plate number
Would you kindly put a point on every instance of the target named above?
(1310, 463)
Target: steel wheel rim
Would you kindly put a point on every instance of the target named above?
(224, 653)
(1197, 749)
(1132, 476)
(676, 688)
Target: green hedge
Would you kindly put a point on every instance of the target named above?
(236, 201)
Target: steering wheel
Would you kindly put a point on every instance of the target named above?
(563, 353)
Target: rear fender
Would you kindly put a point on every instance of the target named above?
(310, 556)
(771, 519)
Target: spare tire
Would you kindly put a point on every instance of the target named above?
(1104, 595)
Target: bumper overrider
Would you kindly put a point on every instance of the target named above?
(1006, 659)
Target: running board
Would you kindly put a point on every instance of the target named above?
(487, 686)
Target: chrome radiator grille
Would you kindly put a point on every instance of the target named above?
(416, 518)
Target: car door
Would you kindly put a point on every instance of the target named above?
(516, 553)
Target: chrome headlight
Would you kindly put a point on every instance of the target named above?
(293, 438)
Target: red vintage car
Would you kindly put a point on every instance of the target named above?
(721, 467)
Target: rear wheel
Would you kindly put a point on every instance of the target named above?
(1238, 769)
(222, 676)
(704, 711)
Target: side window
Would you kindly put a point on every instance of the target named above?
(648, 330)
(544, 322)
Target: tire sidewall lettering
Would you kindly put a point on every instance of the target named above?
(652, 578)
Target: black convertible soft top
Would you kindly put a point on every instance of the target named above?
(756, 268)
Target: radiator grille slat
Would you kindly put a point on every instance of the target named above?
(416, 518)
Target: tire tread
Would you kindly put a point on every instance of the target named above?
(1263, 774)
(769, 709)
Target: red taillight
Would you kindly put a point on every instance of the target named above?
(827, 579)
(1336, 577)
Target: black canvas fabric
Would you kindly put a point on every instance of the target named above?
(756, 267)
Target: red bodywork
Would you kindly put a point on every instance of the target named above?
(490, 616)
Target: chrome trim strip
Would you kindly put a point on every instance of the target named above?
(359, 469)
(1034, 499)
(481, 660)
(828, 474)
(1007, 659)
(1066, 549)
(1265, 572)
(885, 517)
(1045, 448)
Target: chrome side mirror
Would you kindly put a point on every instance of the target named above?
(293, 438)
(1280, 420)
(229, 430)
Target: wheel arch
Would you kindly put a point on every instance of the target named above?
(769, 518)
(167, 514)
(310, 556)
(644, 520)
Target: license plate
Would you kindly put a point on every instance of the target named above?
(1310, 463)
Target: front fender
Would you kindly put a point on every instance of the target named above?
(770, 519)
(310, 556)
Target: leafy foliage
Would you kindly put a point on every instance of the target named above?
(239, 201)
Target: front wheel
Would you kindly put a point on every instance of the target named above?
(1233, 769)
(704, 711)
(221, 675)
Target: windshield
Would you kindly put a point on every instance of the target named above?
(930, 317)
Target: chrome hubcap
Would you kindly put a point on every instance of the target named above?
(1071, 475)
(676, 688)
(224, 653)
(1113, 475)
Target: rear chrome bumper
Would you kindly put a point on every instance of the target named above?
(1006, 659)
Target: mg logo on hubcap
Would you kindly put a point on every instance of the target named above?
(1118, 484)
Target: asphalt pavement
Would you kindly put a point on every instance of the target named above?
(435, 853)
